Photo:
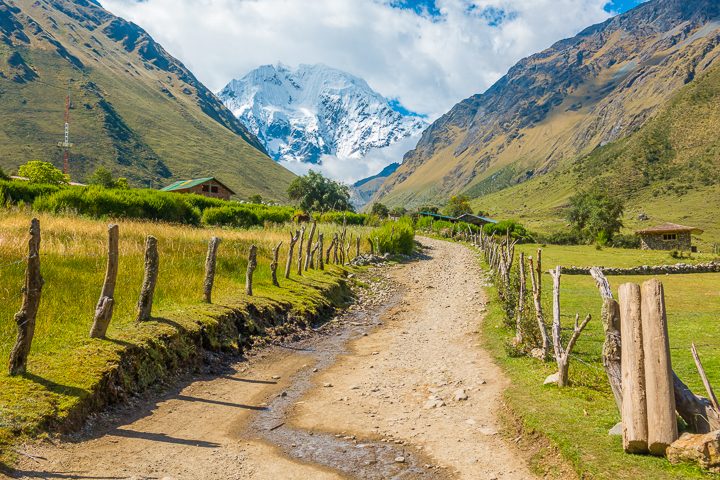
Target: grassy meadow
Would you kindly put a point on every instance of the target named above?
(577, 418)
(65, 365)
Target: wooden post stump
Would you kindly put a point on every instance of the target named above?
(25, 318)
(274, 264)
(293, 240)
(662, 425)
(104, 308)
(251, 266)
(210, 263)
(152, 266)
(634, 402)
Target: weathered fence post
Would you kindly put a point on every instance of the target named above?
(274, 264)
(152, 266)
(611, 354)
(321, 264)
(300, 251)
(293, 240)
(521, 301)
(336, 245)
(562, 354)
(25, 318)
(357, 246)
(662, 426)
(308, 254)
(104, 308)
(634, 402)
(539, 315)
(210, 262)
(251, 266)
(372, 246)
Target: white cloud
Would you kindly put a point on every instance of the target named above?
(350, 170)
(429, 64)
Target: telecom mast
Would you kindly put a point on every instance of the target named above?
(65, 144)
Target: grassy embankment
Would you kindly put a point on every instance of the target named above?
(577, 418)
(67, 371)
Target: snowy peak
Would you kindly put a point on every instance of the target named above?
(301, 115)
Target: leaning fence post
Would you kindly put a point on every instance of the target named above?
(662, 425)
(357, 246)
(152, 265)
(25, 318)
(300, 251)
(308, 253)
(321, 264)
(634, 401)
(274, 264)
(210, 262)
(104, 308)
(372, 246)
(293, 240)
(252, 264)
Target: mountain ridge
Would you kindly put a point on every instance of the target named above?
(559, 104)
(302, 114)
(135, 109)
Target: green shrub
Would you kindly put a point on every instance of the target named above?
(517, 231)
(561, 238)
(394, 237)
(230, 216)
(13, 192)
(270, 214)
(351, 218)
(424, 223)
(100, 202)
(626, 241)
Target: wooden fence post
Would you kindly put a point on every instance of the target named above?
(634, 402)
(152, 266)
(357, 246)
(104, 308)
(251, 266)
(293, 240)
(274, 264)
(25, 318)
(308, 254)
(300, 251)
(321, 264)
(336, 244)
(210, 262)
(521, 301)
(611, 354)
(372, 246)
(539, 315)
(662, 426)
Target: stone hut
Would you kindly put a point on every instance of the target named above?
(669, 236)
(208, 187)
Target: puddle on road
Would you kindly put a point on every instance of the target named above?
(352, 457)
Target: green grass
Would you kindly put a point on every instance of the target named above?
(578, 418)
(65, 366)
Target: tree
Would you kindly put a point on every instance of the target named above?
(482, 213)
(257, 199)
(457, 205)
(38, 171)
(102, 177)
(428, 209)
(595, 215)
(314, 192)
(380, 210)
(3, 175)
(398, 211)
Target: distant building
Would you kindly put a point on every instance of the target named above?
(466, 218)
(208, 187)
(668, 236)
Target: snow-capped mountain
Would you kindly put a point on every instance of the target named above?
(301, 115)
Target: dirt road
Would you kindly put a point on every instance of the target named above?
(399, 388)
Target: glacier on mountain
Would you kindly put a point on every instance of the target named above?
(313, 113)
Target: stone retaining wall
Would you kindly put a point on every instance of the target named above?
(679, 268)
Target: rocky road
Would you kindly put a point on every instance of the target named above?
(397, 387)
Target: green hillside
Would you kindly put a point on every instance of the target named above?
(135, 109)
(668, 170)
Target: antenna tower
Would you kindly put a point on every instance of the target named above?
(65, 144)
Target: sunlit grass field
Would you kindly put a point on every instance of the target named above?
(578, 418)
(64, 364)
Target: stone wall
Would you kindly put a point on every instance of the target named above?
(683, 242)
(678, 268)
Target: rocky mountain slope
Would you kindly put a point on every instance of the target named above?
(559, 105)
(135, 109)
(300, 115)
(362, 191)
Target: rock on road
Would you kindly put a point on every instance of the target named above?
(419, 383)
